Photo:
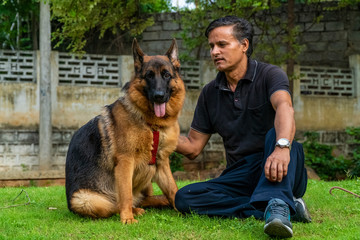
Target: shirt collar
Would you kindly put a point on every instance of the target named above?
(249, 75)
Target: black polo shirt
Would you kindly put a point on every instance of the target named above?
(242, 118)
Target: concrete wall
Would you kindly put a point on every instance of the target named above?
(332, 40)
(76, 102)
(328, 113)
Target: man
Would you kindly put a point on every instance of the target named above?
(250, 106)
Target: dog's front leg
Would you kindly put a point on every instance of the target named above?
(166, 182)
(123, 176)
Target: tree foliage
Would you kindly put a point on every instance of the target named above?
(81, 18)
(17, 23)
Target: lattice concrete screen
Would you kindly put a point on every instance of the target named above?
(90, 70)
(327, 82)
(17, 66)
(190, 72)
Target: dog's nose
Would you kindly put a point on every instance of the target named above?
(159, 95)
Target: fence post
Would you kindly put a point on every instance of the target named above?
(354, 62)
(45, 123)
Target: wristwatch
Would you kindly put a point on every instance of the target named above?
(283, 143)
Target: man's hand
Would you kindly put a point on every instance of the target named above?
(276, 165)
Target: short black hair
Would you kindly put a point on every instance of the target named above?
(242, 29)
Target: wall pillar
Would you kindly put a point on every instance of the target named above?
(354, 63)
(45, 123)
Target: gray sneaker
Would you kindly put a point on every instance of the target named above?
(302, 213)
(277, 219)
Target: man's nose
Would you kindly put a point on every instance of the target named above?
(214, 51)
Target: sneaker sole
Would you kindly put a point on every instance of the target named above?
(278, 229)
(302, 213)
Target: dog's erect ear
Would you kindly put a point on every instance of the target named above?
(126, 87)
(173, 53)
(138, 55)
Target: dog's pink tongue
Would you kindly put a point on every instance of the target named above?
(159, 109)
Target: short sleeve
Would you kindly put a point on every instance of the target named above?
(277, 80)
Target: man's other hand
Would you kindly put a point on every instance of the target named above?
(276, 165)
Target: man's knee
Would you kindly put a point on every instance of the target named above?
(181, 202)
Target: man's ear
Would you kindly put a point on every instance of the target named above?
(245, 43)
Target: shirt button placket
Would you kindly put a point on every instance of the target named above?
(237, 99)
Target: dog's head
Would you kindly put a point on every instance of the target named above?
(157, 88)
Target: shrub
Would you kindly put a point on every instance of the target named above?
(355, 165)
(319, 157)
(176, 162)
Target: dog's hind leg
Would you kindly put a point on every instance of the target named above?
(158, 201)
(149, 200)
(92, 204)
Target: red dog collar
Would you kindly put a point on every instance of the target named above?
(155, 147)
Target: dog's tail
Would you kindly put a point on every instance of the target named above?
(92, 204)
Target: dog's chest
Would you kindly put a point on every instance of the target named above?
(146, 144)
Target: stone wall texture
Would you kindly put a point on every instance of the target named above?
(328, 42)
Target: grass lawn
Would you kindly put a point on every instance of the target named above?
(47, 217)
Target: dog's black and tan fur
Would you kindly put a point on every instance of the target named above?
(107, 164)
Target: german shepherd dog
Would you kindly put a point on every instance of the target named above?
(113, 159)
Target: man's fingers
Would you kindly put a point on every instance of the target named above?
(280, 172)
(285, 170)
(276, 166)
(267, 169)
(273, 172)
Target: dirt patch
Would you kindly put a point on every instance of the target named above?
(199, 174)
(195, 175)
(29, 183)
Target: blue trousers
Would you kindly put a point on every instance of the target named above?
(242, 190)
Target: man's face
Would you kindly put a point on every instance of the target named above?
(225, 50)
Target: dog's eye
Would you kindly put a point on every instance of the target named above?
(149, 75)
(166, 75)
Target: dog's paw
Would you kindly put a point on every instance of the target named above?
(138, 211)
(129, 221)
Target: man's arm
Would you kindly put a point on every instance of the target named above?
(192, 145)
(276, 165)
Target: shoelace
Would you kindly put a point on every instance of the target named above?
(281, 209)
